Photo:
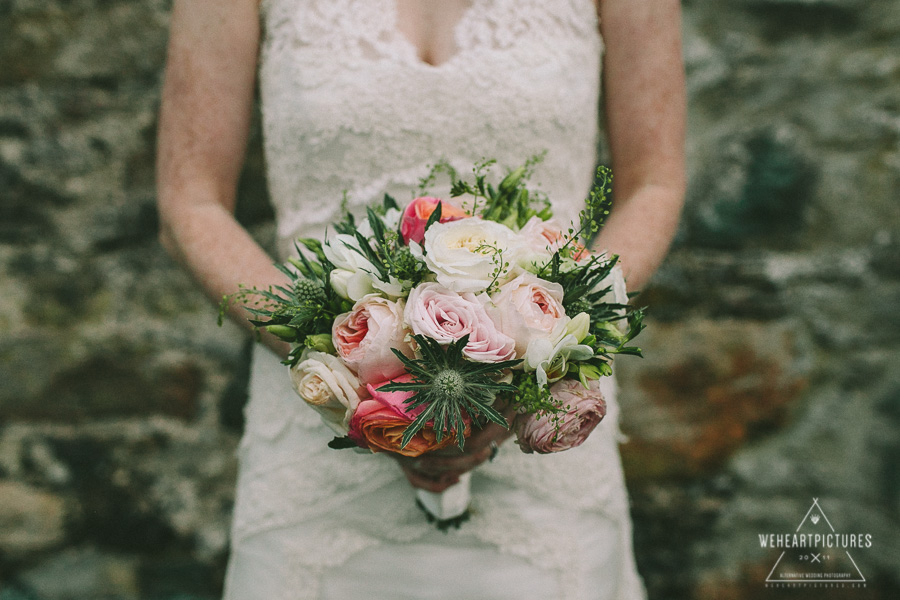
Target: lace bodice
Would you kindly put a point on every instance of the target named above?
(348, 106)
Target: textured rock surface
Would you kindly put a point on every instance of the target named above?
(769, 378)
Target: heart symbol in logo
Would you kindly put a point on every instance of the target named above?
(814, 519)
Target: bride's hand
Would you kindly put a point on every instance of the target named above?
(437, 471)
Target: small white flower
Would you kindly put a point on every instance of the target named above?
(354, 275)
(549, 356)
(391, 221)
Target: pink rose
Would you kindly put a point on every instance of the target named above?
(364, 337)
(444, 316)
(527, 308)
(379, 423)
(585, 409)
(415, 217)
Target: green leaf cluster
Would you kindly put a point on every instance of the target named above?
(300, 312)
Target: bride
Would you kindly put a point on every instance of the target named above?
(361, 96)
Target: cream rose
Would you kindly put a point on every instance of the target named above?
(466, 255)
(528, 307)
(365, 336)
(445, 316)
(329, 387)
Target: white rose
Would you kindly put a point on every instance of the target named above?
(328, 387)
(465, 255)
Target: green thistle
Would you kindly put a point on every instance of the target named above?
(309, 291)
(448, 384)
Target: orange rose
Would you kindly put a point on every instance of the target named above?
(379, 423)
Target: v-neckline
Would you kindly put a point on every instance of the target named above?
(414, 50)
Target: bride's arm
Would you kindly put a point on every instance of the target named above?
(645, 118)
(206, 105)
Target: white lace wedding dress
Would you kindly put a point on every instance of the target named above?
(349, 106)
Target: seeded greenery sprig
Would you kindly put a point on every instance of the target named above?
(448, 385)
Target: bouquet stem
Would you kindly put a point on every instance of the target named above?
(449, 508)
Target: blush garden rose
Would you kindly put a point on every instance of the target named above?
(445, 316)
(365, 336)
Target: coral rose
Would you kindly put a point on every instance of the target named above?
(415, 217)
(549, 236)
(527, 308)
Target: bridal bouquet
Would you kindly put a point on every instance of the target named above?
(414, 324)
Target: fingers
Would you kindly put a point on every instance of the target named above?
(460, 463)
(482, 439)
(429, 483)
(437, 471)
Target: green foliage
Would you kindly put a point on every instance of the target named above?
(533, 398)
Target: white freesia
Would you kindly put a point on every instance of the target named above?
(549, 356)
(615, 280)
(466, 255)
(327, 386)
(340, 282)
(355, 276)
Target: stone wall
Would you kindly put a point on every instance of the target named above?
(768, 379)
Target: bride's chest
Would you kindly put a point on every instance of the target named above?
(345, 63)
(397, 37)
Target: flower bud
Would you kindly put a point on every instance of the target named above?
(284, 332)
(320, 342)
